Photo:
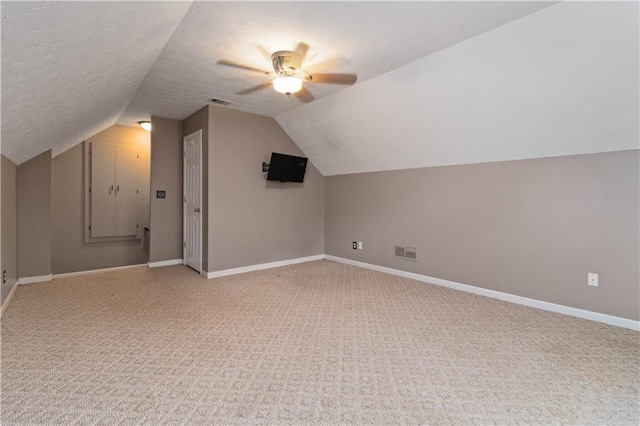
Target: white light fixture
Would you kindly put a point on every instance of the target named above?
(145, 125)
(287, 85)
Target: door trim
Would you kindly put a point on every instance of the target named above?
(197, 133)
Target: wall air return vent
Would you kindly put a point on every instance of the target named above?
(220, 102)
(408, 253)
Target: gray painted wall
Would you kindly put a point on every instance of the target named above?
(200, 121)
(33, 194)
(70, 252)
(533, 228)
(251, 220)
(166, 175)
(9, 226)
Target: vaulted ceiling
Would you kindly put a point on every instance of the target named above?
(435, 79)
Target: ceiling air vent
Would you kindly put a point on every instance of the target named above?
(221, 102)
(408, 253)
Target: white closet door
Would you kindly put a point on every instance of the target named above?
(192, 190)
(126, 198)
(102, 189)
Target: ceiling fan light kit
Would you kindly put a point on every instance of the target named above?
(287, 64)
(287, 85)
(289, 75)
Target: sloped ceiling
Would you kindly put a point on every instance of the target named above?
(366, 38)
(562, 81)
(71, 69)
(439, 82)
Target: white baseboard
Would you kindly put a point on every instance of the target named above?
(96, 271)
(9, 297)
(507, 297)
(243, 269)
(34, 280)
(161, 263)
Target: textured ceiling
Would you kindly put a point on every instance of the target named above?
(562, 81)
(366, 38)
(71, 69)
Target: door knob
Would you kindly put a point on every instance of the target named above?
(197, 210)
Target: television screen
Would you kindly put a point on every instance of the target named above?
(286, 168)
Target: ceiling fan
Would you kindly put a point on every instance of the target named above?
(290, 75)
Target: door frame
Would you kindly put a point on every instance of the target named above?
(197, 133)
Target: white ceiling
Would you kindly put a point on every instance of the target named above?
(439, 83)
(562, 81)
(71, 69)
(366, 38)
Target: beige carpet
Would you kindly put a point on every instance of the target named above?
(315, 343)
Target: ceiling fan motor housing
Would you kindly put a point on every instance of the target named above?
(286, 63)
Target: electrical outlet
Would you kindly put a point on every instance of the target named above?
(359, 245)
(592, 279)
(161, 194)
(355, 245)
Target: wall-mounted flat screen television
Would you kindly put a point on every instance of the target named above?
(286, 168)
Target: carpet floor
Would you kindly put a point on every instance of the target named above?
(313, 343)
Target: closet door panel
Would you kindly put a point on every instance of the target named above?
(126, 194)
(102, 190)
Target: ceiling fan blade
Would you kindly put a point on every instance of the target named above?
(304, 95)
(334, 78)
(265, 52)
(240, 66)
(302, 48)
(329, 64)
(254, 88)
